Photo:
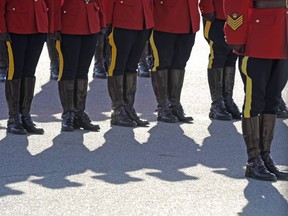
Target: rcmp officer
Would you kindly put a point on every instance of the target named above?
(221, 65)
(258, 31)
(24, 24)
(131, 21)
(82, 21)
(176, 23)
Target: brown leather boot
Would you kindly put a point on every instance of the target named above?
(12, 92)
(160, 86)
(26, 97)
(66, 93)
(228, 86)
(81, 118)
(130, 86)
(175, 81)
(119, 115)
(267, 127)
(218, 110)
(255, 167)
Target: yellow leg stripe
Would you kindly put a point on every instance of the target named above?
(248, 90)
(61, 60)
(211, 56)
(113, 53)
(10, 61)
(207, 29)
(155, 52)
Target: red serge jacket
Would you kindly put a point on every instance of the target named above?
(29, 16)
(210, 6)
(81, 18)
(129, 14)
(263, 31)
(176, 16)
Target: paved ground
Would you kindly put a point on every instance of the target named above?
(164, 169)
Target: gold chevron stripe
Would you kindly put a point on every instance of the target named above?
(235, 23)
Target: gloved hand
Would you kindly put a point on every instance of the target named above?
(103, 31)
(240, 48)
(209, 16)
(5, 37)
(55, 36)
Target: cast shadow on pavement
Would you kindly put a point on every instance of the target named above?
(263, 199)
(224, 150)
(15, 162)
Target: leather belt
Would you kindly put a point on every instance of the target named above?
(270, 4)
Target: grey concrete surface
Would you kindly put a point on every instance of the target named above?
(164, 169)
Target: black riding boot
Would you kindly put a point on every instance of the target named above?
(228, 82)
(12, 92)
(255, 167)
(99, 70)
(130, 86)
(144, 65)
(176, 79)
(218, 110)
(81, 119)
(160, 86)
(267, 126)
(282, 111)
(66, 93)
(26, 97)
(119, 115)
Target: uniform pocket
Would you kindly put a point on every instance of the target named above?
(166, 3)
(16, 9)
(260, 19)
(126, 2)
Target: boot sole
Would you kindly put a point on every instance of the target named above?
(167, 121)
(212, 116)
(123, 125)
(16, 133)
(274, 179)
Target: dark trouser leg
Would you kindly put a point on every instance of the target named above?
(218, 110)
(26, 97)
(99, 70)
(119, 115)
(228, 82)
(3, 61)
(66, 93)
(143, 66)
(255, 167)
(12, 92)
(176, 79)
(267, 127)
(130, 86)
(54, 59)
(82, 119)
(282, 111)
(160, 86)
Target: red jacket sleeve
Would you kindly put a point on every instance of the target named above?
(3, 28)
(236, 26)
(206, 6)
